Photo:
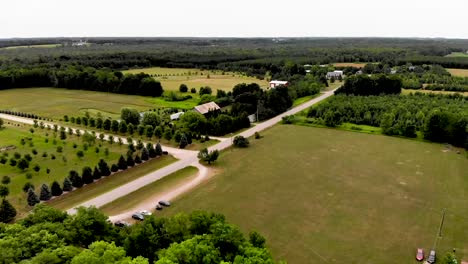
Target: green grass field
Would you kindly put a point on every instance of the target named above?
(144, 194)
(108, 183)
(328, 196)
(458, 54)
(55, 103)
(172, 78)
(60, 166)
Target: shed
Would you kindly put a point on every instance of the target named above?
(276, 83)
(205, 108)
(176, 116)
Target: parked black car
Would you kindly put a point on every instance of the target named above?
(159, 207)
(138, 217)
(165, 203)
(121, 224)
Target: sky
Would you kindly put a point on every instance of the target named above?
(240, 18)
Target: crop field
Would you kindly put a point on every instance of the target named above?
(172, 78)
(350, 64)
(459, 72)
(48, 156)
(55, 103)
(323, 196)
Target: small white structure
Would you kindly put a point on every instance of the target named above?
(252, 118)
(335, 74)
(176, 116)
(205, 108)
(80, 43)
(276, 83)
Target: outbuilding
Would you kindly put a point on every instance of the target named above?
(276, 83)
(206, 108)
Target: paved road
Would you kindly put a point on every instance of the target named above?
(187, 158)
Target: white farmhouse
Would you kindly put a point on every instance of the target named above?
(335, 74)
(276, 83)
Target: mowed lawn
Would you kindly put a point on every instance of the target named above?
(459, 72)
(328, 196)
(172, 78)
(458, 54)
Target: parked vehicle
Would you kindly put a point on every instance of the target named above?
(138, 216)
(159, 207)
(165, 203)
(121, 224)
(432, 257)
(145, 213)
(420, 254)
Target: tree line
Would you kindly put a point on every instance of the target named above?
(48, 235)
(440, 118)
(82, 78)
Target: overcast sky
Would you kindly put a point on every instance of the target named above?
(239, 18)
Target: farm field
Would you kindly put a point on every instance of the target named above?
(457, 54)
(55, 103)
(350, 64)
(32, 46)
(459, 72)
(144, 195)
(59, 165)
(172, 78)
(323, 195)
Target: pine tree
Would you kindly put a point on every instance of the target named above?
(45, 193)
(130, 161)
(152, 152)
(87, 175)
(7, 212)
(67, 185)
(158, 149)
(122, 163)
(144, 154)
(114, 168)
(137, 159)
(96, 174)
(183, 142)
(32, 197)
(76, 180)
(56, 189)
(104, 168)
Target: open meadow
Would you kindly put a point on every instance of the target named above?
(323, 195)
(172, 78)
(350, 64)
(55, 103)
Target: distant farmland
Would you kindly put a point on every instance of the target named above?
(459, 72)
(328, 196)
(172, 78)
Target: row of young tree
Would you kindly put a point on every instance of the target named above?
(135, 155)
(48, 235)
(440, 118)
(81, 78)
(23, 114)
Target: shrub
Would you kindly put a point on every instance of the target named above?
(241, 142)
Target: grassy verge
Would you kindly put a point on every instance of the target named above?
(139, 196)
(106, 184)
(321, 195)
(304, 99)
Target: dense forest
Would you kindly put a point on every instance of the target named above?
(51, 236)
(256, 56)
(440, 118)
